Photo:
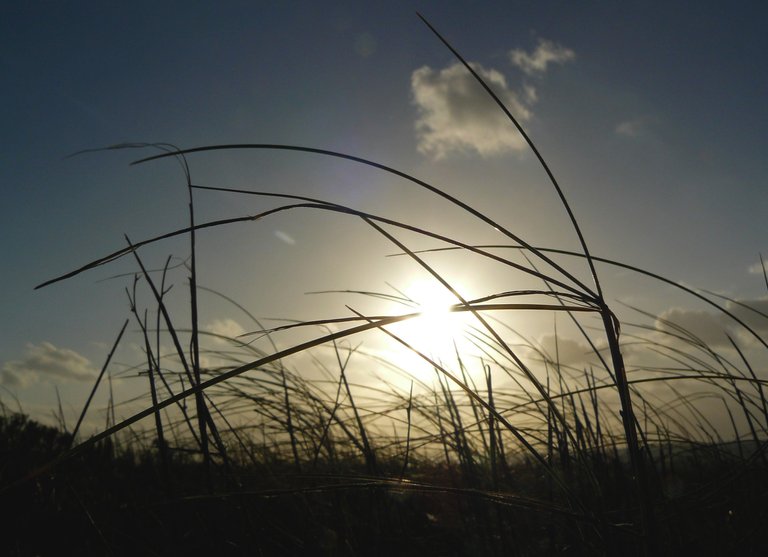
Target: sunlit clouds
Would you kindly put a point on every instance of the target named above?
(365, 45)
(545, 53)
(695, 325)
(631, 128)
(225, 329)
(756, 269)
(562, 350)
(45, 360)
(457, 116)
(713, 328)
(284, 237)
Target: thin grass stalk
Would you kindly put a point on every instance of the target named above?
(60, 418)
(256, 364)
(564, 434)
(518, 362)
(218, 442)
(702, 420)
(592, 386)
(202, 409)
(646, 413)
(501, 452)
(325, 152)
(158, 351)
(493, 449)
(443, 434)
(640, 476)
(324, 441)
(174, 429)
(407, 433)
(589, 341)
(233, 431)
(151, 366)
(580, 435)
(662, 460)
(747, 414)
(95, 385)
(202, 412)
(757, 384)
(621, 265)
(736, 434)
(592, 429)
(110, 403)
(289, 421)
(459, 432)
(368, 453)
(477, 411)
(727, 377)
(551, 424)
(523, 441)
(350, 435)
(133, 247)
(611, 327)
(159, 295)
(533, 148)
(217, 439)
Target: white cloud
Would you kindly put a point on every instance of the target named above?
(10, 378)
(752, 318)
(545, 53)
(365, 45)
(757, 269)
(630, 128)
(456, 115)
(703, 325)
(45, 359)
(285, 237)
(226, 328)
(565, 350)
(529, 93)
(712, 327)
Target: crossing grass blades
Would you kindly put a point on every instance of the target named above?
(527, 456)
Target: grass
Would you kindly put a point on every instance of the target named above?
(508, 450)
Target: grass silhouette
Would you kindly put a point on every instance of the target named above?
(533, 458)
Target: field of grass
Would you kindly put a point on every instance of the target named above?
(506, 449)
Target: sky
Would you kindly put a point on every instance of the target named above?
(651, 115)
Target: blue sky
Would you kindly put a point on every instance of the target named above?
(651, 115)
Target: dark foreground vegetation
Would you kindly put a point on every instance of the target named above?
(512, 452)
(121, 500)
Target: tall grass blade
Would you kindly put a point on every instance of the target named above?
(98, 380)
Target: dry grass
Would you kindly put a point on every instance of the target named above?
(508, 450)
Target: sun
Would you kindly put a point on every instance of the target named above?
(438, 331)
(434, 302)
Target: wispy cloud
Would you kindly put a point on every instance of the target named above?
(754, 314)
(564, 350)
(712, 328)
(46, 360)
(631, 128)
(365, 45)
(285, 237)
(702, 325)
(455, 114)
(545, 53)
(227, 327)
(757, 268)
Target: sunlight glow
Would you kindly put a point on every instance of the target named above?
(438, 332)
